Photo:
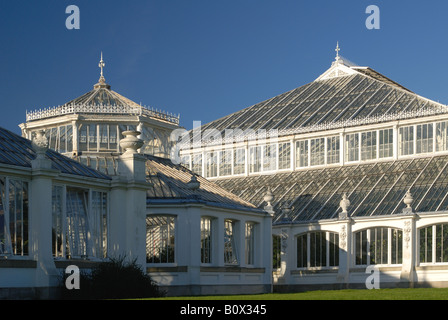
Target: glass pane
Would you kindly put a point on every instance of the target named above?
(302, 153)
(239, 165)
(317, 151)
(284, 155)
(333, 151)
(352, 147)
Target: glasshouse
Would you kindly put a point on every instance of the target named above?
(356, 170)
(91, 180)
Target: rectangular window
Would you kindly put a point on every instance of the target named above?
(361, 247)
(269, 157)
(230, 252)
(197, 164)
(14, 235)
(424, 141)
(250, 243)
(302, 153)
(284, 155)
(442, 243)
(92, 134)
(98, 224)
(334, 249)
(318, 250)
(79, 229)
(82, 138)
(276, 252)
(396, 246)
(103, 137)
(352, 147)
(225, 162)
(406, 140)
(426, 244)
(317, 151)
(211, 164)
(185, 161)
(206, 240)
(386, 143)
(58, 236)
(239, 161)
(160, 238)
(368, 145)
(254, 159)
(69, 134)
(442, 136)
(302, 251)
(378, 245)
(77, 223)
(62, 139)
(333, 151)
(113, 143)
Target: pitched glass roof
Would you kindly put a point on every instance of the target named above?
(338, 99)
(170, 182)
(17, 151)
(102, 100)
(373, 189)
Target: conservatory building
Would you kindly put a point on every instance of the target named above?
(91, 180)
(356, 168)
(89, 128)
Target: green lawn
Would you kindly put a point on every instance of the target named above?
(378, 294)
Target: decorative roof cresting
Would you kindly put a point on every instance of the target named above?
(102, 100)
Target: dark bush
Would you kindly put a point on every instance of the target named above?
(113, 279)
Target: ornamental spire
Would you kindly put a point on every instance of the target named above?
(102, 81)
(102, 65)
(337, 51)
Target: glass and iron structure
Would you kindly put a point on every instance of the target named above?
(89, 128)
(350, 134)
(351, 131)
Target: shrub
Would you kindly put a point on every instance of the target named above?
(114, 279)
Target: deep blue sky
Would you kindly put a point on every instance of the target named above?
(205, 59)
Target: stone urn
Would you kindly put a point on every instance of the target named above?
(193, 184)
(40, 144)
(408, 200)
(268, 197)
(344, 203)
(130, 143)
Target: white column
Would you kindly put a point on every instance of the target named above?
(395, 139)
(409, 250)
(128, 203)
(341, 148)
(40, 222)
(345, 249)
(75, 139)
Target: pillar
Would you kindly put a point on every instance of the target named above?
(40, 216)
(128, 203)
(345, 249)
(408, 273)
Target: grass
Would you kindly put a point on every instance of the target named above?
(349, 294)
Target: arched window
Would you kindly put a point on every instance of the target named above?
(318, 249)
(379, 245)
(433, 241)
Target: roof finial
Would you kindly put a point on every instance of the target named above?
(102, 82)
(337, 50)
(101, 65)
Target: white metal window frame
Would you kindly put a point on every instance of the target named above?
(95, 244)
(8, 247)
